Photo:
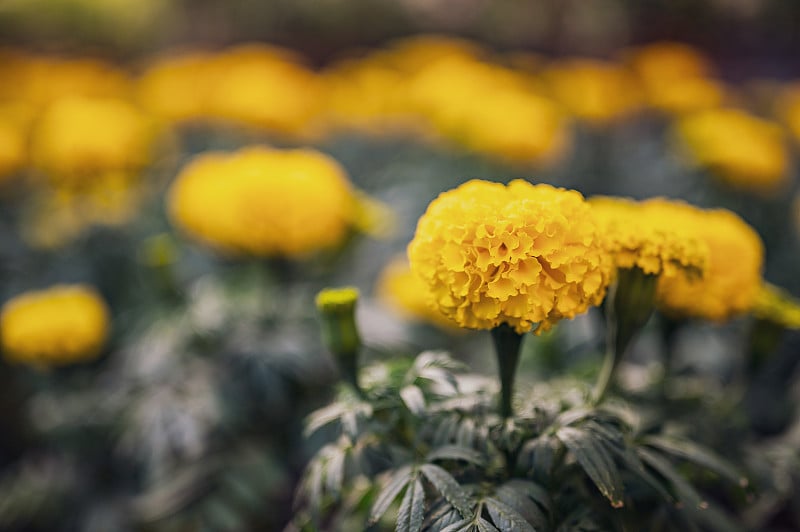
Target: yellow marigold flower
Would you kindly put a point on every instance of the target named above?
(649, 239)
(261, 201)
(733, 275)
(408, 295)
(676, 77)
(77, 138)
(60, 325)
(265, 87)
(177, 87)
(775, 305)
(595, 91)
(741, 149)
(12, 149)
(520, 254)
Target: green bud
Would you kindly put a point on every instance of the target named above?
(337, 308)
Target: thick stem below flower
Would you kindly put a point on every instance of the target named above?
(507, 342)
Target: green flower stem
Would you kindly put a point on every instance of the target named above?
(629, 304)
(339, 331)
(507, 342)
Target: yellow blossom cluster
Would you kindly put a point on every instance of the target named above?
(60, 325)
(252, 84)
(675, 77)
(264, 202)
(646, 235)
(595, 91)
(743, 150)
(733, 275)
(520, 254)
(407, 294)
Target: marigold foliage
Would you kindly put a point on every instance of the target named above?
(520, 254)
(76, 138)
(649, 239)
(733, 275)
(742, 150)
(264, 202)
(60, 325)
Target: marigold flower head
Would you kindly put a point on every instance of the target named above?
(264, 202)
(77, 138)
(595, 91)
(676, 77)
(733, 275)
(520, 254)
(60, 325)
(407, 294)
(742, 150)
(12, 149)
(649, 238)
(777, 306)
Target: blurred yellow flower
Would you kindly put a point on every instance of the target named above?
(60, 325)
(649, 238)
(177, 87)
(742, 150)
(76, 138)
(408, 295)
(733, 276)
(12, 149)
(261, 201)
(595, 91)
(40, 80)
(775, 305)
(57, 215)
(676, 77)
(520, 254)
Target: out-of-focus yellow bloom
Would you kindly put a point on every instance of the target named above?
(60, 325)
(775, 305)
(58, 215)
(649, 238)
(676, 77)
(742, 150)
(12, 149)
(77, 138)
(261, 201)
(408, 295)
(40, 80)
(595, 91)
(520, 254)
(264, 86)
(733, 276)
(177, 87)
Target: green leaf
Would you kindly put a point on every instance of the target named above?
(456, 452)
(459, 526)
(445, 429)
(412, 509)
(334, 472)
(389, 493)
(595, 460)
(443, 515)
(486, 526)
(414, 399)
(697, 454)
(506, 517)
(449, 488)
(635, 466)
(525, 496)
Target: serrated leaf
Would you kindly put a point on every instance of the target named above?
(506, 517)
(486, 526)
(324, 416)
(697, 454)
(334, 472)
(413, 398)
(449, 488)
(412, 509)
(465, 434)
(635, 466)
(389, 493)
(596, 462)
(445, 430)
(459, 526)
(456, 452)
(443, 515)
(519, 494)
